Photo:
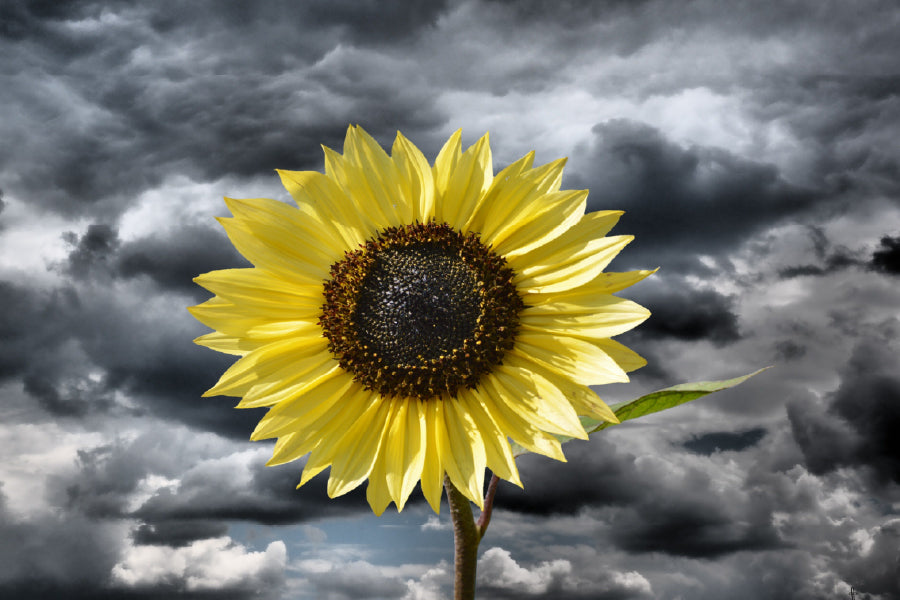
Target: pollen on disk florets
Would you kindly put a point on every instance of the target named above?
(420, 310)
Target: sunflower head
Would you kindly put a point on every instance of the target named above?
(404, 321)
(420, 311)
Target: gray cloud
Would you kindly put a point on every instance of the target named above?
(44, 556)
(692, 526)
(857, 427)
(177, 533)
(717, 441)
(683, 312)
(887, 258)
(175, 107)
(787, 489)
(173, 259)
(604, 475)
(698, 200)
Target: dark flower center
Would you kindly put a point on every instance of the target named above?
(417, 304)
(420, 310)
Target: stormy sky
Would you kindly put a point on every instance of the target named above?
(755, 148)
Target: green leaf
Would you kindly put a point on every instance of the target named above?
(655, 402)
(664, 399)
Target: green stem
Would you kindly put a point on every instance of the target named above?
(467, 534)
(465, 538)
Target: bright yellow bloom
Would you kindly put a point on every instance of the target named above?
(406, 321)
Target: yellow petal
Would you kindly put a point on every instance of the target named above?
(347, 441)
(324, 202)
(265, 364)
(464, 453)
(405, 449)
(625, 357)
(582, 398)
(306, 373)
(416, 174)
(515, 202)
(257, 286)
(274, 253)
(470, 179)
(251, 334)
(516, 427)
(433, 467)
(378, 175)
(277, 219)
(578, 359)
(609, 316)
(242, 320)
(445, 163)
(499, 456)
(227, 344)
(301, 412)
(582, 299)
(328, 427)
(351, 467)
(491, 212)
(536, 398)
(568, 267)
(547, 219)
(377, 492)
(414, 458)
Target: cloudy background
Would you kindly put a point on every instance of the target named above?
(754, 146)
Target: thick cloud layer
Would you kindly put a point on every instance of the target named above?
(754, 150)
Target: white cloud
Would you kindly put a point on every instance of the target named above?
(498, 570)
(42, 451)
(431, 585)
(210, 564)
(434, 523)
(179, 201)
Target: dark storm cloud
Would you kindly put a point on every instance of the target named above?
(92, 250)
(68, 394)
(90, 350)
(177, 533)
(887, 258)
(172, 260)
(682, 202)
(211, 490)
(244, 95)
(691, 528)
(835, 262)
(208, 495)
(270, 499)
(876, 571)
(24, 310)
(150, 358)
(104, 100)
(55, 555)
(604, 476)
(43, 323)
(93, 345)
(682, 516)
(830, 259)
(167, 377)
(373, 21)
(683, 312)
(859, 426)
(718, 441)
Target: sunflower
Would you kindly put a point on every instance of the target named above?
(404, 321)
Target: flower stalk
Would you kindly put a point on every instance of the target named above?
(467, 534)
